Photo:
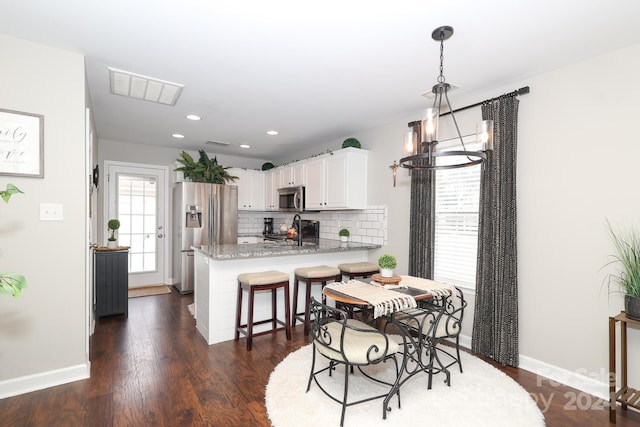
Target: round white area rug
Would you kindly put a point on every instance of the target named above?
(481, 396)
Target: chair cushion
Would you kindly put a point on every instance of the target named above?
(358, 267)
(317, 271)
(357, 344)
(447, 326)
(263, 277)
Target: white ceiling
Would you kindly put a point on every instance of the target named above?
(314, 71)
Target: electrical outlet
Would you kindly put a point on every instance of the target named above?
(50, 211)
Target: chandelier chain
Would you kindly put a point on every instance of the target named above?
(441, 76)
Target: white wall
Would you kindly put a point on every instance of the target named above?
(43, 334)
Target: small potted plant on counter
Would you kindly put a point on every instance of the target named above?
(113, 225)
(344, 235)
(387, 263)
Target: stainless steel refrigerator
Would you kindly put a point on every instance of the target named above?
(203, 214)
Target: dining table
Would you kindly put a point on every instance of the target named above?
(413, 306)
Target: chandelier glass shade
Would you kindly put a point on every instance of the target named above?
(421, 149)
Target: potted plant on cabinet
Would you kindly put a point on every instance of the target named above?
(344, 235)
(627, 261)
(113, 225)
(387, 263)
(204, 170)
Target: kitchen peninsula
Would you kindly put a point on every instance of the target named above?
(217, 268)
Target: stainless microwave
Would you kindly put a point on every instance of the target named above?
(291, 199)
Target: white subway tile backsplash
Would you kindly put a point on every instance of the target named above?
(368, 226)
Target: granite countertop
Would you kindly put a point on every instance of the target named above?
(277, 248)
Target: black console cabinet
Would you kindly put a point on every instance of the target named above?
(111, 282)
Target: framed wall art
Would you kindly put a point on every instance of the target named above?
(21, 144)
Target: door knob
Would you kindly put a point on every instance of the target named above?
(160, 236)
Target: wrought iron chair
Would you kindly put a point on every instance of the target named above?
(436, 320)
(349, 342)
(450, 324)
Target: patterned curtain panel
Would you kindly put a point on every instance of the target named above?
(495, 324)
(421, 220)
(422, 223)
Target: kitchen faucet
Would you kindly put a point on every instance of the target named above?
(298, 226)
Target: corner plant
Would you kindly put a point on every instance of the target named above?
(113, 225)
(11, 283)
(387, 262)
(204, 170)
(343, 233)
(627, 260)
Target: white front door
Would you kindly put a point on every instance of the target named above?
(136, 197)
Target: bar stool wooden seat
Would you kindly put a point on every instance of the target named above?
(310, 275)
(271, 280)
(356, 270)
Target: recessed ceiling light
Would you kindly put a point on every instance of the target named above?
(245, 146)
(193, 117)
(177, 135)
(272, 132)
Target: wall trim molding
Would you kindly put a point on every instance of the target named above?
(42, 380)
(598, 387)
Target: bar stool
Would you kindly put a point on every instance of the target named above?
(310, 275)
(262, 281)
(358, 269)
(355, 270)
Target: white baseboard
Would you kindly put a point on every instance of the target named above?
(553, 374)
(29, 383)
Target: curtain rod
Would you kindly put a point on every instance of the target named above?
(522, 91)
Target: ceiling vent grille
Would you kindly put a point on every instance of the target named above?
(142, 87)
(219, 143)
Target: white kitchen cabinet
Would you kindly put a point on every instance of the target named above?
(271, 185)
(250, 189)
(292, 174)
(337, 181)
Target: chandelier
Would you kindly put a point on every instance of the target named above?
(426, 155)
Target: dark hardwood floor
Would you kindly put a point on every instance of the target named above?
(153, 368)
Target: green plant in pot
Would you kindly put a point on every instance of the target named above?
(11, 283)
(113, 226)
(627, 262)
(344, 235)
(387, 263)
(204, 170)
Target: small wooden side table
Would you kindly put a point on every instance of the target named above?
(393, 280)
(626, 395)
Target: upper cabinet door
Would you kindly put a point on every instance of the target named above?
(337, 181)
(315, 188)
(292, 175)
(271, 185)
(251, 192)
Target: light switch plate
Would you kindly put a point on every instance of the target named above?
(50, 211)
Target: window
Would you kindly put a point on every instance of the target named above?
(137, 215)
(456, 225)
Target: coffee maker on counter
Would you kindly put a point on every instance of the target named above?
(268, 226)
